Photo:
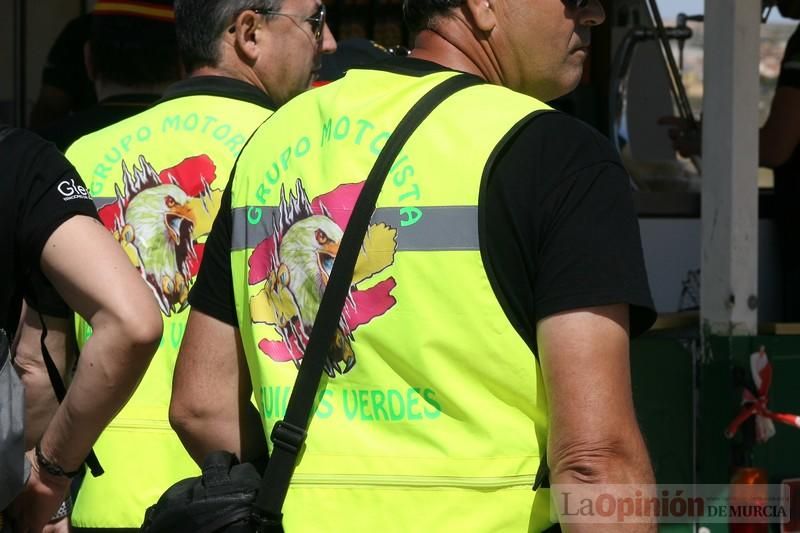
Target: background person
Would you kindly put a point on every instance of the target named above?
(779, 149)
(66, 87)
(131, 56)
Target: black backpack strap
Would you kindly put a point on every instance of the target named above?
(289, 434)
(60, 391)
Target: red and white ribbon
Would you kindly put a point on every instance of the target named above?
(761, 370)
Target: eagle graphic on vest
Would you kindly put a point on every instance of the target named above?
(294, 265)
(156, 221)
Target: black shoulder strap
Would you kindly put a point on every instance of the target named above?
(60, 391)
(289, 434)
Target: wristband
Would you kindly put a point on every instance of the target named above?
(52, 468)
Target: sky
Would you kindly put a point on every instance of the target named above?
(670, 8)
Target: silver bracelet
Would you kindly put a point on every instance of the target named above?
(64, 510)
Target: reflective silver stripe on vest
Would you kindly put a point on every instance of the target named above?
(439, 228)
(102, 201)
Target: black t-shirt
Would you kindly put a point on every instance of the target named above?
(39, 190)
(561, 230)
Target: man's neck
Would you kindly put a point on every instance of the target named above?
(228, 72)
(213, 71)
(453, 44)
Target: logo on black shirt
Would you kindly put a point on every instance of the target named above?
(72, 191)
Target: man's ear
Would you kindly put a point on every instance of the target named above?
(483, 14)
(246, 35)
(87, 61)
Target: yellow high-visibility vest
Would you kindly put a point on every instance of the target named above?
(432, 412)
(157, 179)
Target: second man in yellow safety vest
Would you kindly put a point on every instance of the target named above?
(158, 179)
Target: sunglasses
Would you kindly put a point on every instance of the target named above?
(317, 21)
(576, 4)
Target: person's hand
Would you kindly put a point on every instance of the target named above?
(685, 138)
(59, 526)
(39, 500)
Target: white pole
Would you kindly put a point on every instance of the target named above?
(729, 270)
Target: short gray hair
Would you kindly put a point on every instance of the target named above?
(200, 24)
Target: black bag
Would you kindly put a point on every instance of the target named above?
(233, 497)
(221, 499)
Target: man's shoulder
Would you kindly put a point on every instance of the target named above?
(140, 127)
(25, 153)
(100, 136)
(558, 128)
(21, 139)
(552, 148)
(35, 170)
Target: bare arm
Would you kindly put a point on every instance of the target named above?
(40, 399)
(780, 134)
(124, 316)
(211, 408)
(594, 437)
(777, 139)
(94, 276)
